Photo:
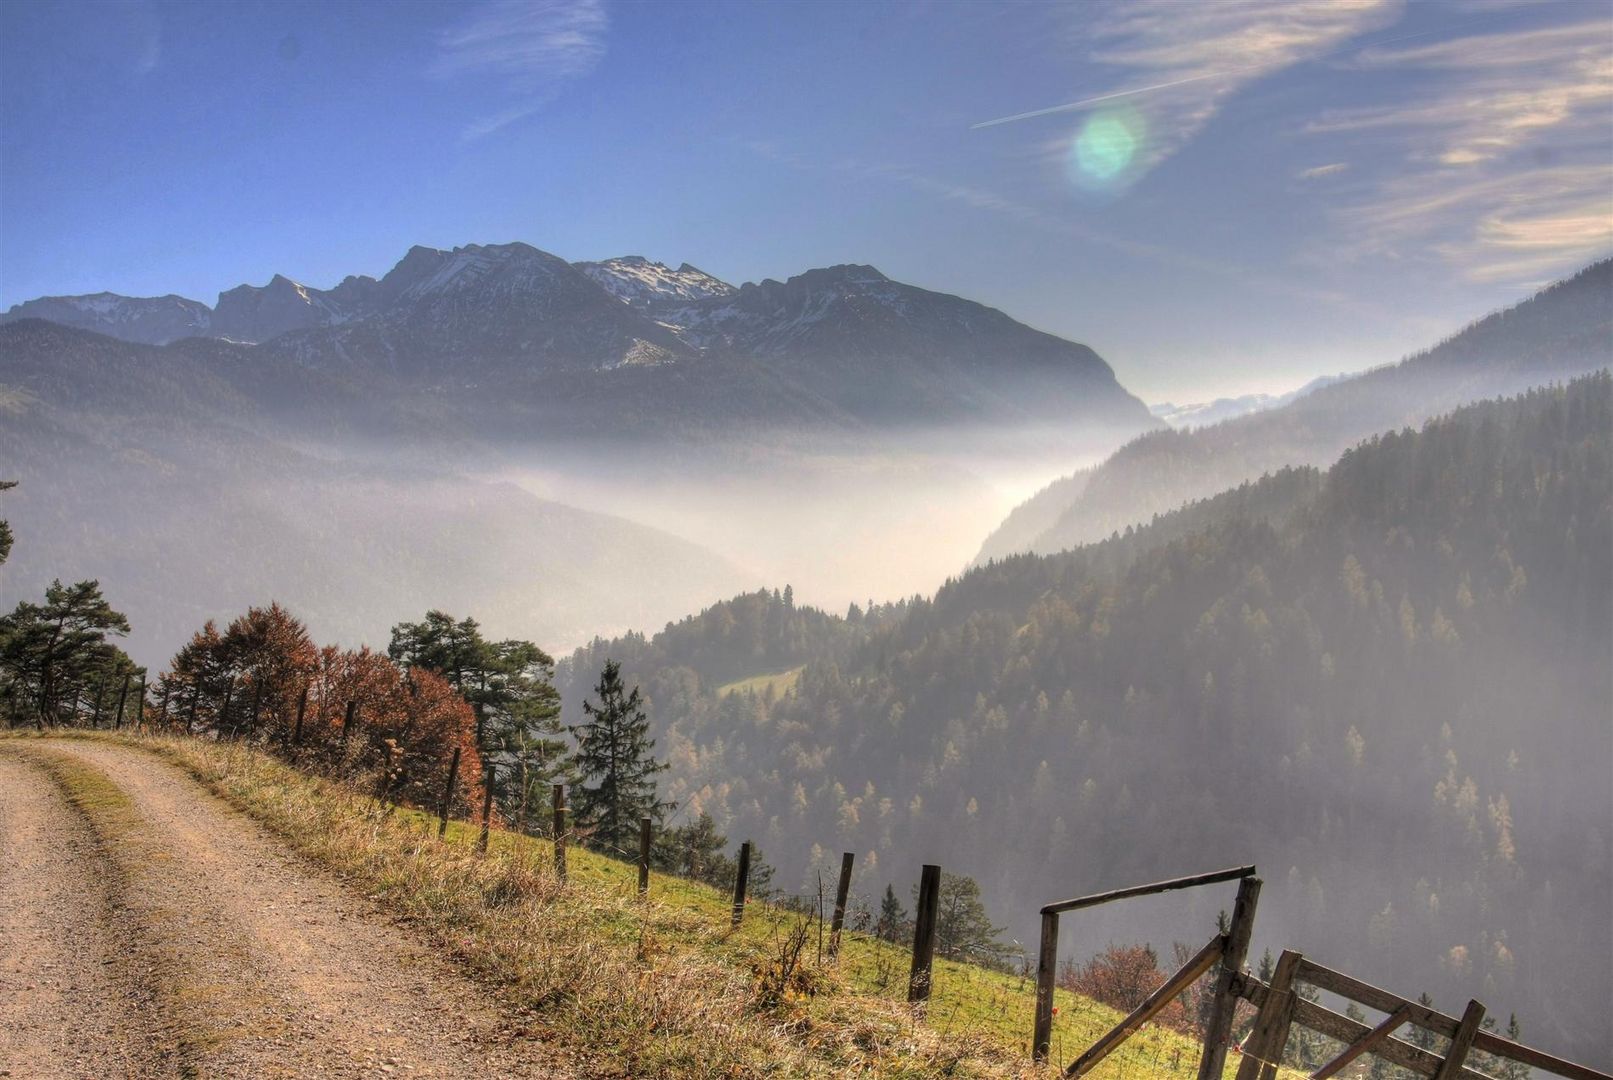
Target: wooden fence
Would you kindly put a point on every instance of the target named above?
(1280, 1006)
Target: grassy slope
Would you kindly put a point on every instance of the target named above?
(661, 988)
(779, 681)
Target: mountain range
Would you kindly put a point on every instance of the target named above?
(536, 345)
(1564, 330)
(616, 442)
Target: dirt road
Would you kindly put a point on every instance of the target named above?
(147, 929)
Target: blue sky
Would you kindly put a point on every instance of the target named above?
(1263, 192)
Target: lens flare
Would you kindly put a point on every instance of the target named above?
(1103, 155)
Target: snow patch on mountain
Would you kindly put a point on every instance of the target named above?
(149, 320)
(646, 285)
(1205, 413)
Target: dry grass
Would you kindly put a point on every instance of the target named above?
(660, 987)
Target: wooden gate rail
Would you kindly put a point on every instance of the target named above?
(1206, 958)
(1393, 1050)
(1047, 954)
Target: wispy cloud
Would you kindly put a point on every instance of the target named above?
(1178, 64)
(1501, 158)
(1317, 171)
(533, 47)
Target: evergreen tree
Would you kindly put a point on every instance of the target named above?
(5, 526)
(962, 928)
(510, 686)
(52, 655)
(892, 923)
(616, 774)
(694, 850)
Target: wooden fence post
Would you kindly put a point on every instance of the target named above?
(560, 833)
(448, 795)
(1269, 1038)
(302, 708)
(741, 882)
(1047, 963)
(1461, 1042)
(842, 894)
(123, 697)
(487, 807)
(347, 720)
(645, 827)
(918, 978)
(1225, 1002)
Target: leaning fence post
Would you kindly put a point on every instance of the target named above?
(644, 837)
(487, 807)
(741, 880)
(448, 795)
(1269, 1037)
(1461, 1042)
(123, 696)
(918, 979)
(842, 894)
(1224, 1003)
(560, 833)
(1047, 961)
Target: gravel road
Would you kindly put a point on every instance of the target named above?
(172, 936)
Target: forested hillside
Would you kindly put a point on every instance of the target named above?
(1560, 332)
(1387, 685)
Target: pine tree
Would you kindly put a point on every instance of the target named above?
(892, 917)
(51, 654)
(509, 684)
(962, 928)
(616, 774)
(694, 850)
(5, 527)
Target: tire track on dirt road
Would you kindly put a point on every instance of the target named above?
(263, 966)
(74, 1001)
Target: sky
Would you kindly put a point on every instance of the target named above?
(1219, 198)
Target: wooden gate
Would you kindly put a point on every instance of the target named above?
(1280, 1005)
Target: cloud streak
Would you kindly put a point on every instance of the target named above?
(1500, 160)
(533, 47)
(1190, 59)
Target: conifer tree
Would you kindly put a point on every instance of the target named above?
(616, 774)
(509, 684)
(892, 917)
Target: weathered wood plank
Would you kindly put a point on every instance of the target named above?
(1094, 899)
(842, 896)
(1461, 1042)
(1487, 1042)
(1364, 1044)
(1203, 961)
(1270, 1036)
(1047, 962)
(918, 976)
(1218, 1028)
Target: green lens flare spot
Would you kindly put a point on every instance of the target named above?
(1105, 147)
